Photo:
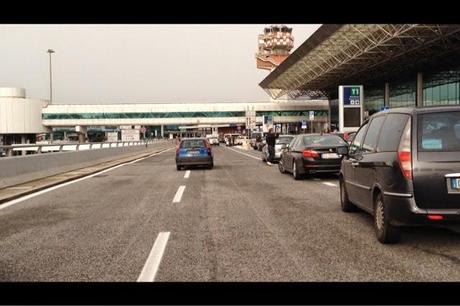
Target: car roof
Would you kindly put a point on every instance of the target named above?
(192, 138)
(320, 134)
(418, 110)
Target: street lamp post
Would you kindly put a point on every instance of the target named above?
(50, 51)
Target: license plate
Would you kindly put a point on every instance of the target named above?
(330, 155)
(193, 153)
(455, 183)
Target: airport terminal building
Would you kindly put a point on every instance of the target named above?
(25, 120)
(398, 65)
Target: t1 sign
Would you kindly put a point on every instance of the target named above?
(352, 96)
(351, 111)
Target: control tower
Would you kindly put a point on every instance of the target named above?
(274, 46)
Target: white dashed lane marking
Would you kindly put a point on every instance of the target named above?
(153, 261)
(179, 194)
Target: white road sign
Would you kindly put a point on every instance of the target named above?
(130, 135)
(112, 137)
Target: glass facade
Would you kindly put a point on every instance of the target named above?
(142, 115)
(305, 113)
(334, 107)
(402, 94)
(374, 99)
(442, 88)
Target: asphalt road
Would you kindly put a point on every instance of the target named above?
(241, 221)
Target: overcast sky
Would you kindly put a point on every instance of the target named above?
(136, 63)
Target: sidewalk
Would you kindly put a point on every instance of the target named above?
(16, 191)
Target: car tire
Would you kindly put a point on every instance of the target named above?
(178, 168)
(211, 166)
(281, 167)
(385, 232)
(295, 171)
(345, 203)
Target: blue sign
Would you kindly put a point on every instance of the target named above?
(351, 96)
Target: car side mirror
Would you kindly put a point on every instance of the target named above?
(342, 150)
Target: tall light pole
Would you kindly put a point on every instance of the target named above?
(50, 51)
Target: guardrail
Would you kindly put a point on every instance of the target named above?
(24, 149)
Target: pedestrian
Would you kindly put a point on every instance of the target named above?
(270, 139)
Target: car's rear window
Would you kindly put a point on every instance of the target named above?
(325, 140)
(192, 143)
(438, 132)
(284, 140)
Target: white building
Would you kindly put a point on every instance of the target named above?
(20, 117)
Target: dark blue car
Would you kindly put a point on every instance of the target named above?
(194, 152)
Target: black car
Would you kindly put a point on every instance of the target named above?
(313, 153)
(194, 152)
(403, 167)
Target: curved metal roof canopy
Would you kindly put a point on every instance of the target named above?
(339, 54)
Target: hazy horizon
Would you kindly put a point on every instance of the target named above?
(102, 64)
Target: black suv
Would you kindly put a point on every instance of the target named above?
(403, 167)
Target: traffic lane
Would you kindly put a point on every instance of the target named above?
(99, 229)
(306, 216)
(215, 234)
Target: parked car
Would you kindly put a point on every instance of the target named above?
(313, 153)
(213, 140)
(403, 167)
(231, 139)
(194, 152)
(280, 144)
(261, 144)
(239, 140)
(256, 138)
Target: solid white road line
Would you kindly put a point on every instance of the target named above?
(330, 184)
(179, 193)
(252, 156)
(32, 195)
(187, 174)
(153, 261)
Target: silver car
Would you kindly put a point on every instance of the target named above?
(280, 143)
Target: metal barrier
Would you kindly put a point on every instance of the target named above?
(65, 147)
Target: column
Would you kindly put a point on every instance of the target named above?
(419, 93)
(162, 131)
(23, 141)
(386, 95)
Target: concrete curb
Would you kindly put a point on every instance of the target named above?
(77, 176)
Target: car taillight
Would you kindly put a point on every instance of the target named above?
(435, 217)
(405, 153)
(310, 153)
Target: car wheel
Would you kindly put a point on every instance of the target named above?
(281, 167)
(385, 232)
(211, 166)
(178, 168)
(345, 203)
(295, 171)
